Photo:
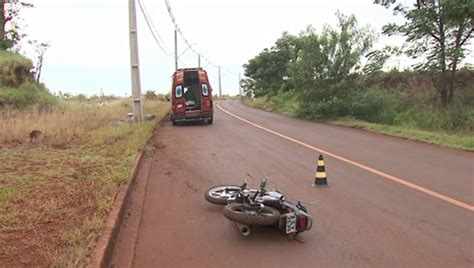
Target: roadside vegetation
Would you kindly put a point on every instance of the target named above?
(62, 160)
(225, 97)
(18, 87)
(57, 188)
(62, 157)
(401, 104)
(335, 75)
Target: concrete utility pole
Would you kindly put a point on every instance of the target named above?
(220, 85)
(199, 60)
(134, 63)
(175, 49)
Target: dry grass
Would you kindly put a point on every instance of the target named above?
(56, 192)
(61, 125)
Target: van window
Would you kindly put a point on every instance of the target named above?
(179, 91)
(205, 90)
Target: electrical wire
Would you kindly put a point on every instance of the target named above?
(153, 30)
(186, 41)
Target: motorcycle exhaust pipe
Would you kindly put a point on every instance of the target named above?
(243, 228)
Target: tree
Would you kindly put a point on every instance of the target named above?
(10, 26)
(438, 31)
(327, 61)
(268, 71)
(40, 49)
(316, 65)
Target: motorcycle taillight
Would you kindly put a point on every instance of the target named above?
(301, 222)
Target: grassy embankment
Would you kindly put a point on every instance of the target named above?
(18, 88)
(56, 191)
(408, 114)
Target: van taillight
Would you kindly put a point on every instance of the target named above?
(207, 103)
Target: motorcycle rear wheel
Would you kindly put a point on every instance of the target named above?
(245, 214)
(219, 194)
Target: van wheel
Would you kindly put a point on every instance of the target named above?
(174, 123)
(209, 121)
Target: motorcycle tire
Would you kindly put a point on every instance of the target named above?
(219, 194)
(245, 214)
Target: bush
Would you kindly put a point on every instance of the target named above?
(26, 95)
(150, 95)
(14, 69)
(287, 102)
(370, 105)
(402, 106)
(456, 118)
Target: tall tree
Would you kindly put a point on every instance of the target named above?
(438, 31)
(10, 26)
(268, 71)
(329, 59)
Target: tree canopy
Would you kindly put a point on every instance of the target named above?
(437, 32)
(311, 63)
(10, 22)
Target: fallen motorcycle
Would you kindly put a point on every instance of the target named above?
(252, 207)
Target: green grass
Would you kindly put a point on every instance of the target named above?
(15, 70)
(7, 56)
(26, 95)
(285, 103)
(55, 194)
(460, 139)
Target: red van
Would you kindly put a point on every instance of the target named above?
(191, 96)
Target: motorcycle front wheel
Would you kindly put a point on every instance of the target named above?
(246, 214)
(219, 194)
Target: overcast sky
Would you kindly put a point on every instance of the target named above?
(90, 47)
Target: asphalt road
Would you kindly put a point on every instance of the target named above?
(392, 202)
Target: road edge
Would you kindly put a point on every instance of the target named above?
(105, 243)
(364, 129)
(102, 251)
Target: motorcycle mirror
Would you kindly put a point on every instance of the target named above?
(263, 183)
(247, 177)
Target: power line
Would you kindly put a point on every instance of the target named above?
(186, 41)
(153, 30)
(182, 62)
(161, 44)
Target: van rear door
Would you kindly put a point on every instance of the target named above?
(206, 101)
(177, 94)
(192, 91)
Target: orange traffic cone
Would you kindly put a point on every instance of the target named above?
(320, 179)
